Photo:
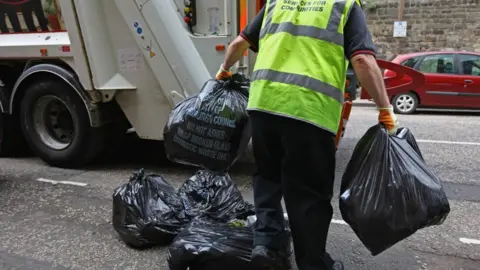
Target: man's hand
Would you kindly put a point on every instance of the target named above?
(234, 52)
(387, 117)
(223, 74)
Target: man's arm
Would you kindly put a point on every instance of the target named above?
(360, 50)
(247, 39)
(370, 77)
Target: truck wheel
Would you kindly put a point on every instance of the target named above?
(406, 103)
(56, 125)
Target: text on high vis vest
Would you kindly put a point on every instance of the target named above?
(303, 6)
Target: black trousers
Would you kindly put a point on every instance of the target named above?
(295, 160)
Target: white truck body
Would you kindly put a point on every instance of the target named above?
(139, 54)
(146, 73)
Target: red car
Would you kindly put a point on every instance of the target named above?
(452, 80)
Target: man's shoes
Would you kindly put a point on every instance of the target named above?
(332, 264)
(264, 258)
(338, 265)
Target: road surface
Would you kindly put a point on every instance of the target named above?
(68, 226)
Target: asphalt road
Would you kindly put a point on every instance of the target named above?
(47, 226)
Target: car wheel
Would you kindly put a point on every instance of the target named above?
(406, 103)
(56, 125)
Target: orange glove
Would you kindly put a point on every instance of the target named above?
(223, 74)
(387, 117)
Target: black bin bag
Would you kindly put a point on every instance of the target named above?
(147, 211)
(214, 194)
(210, 130)
(209, 244)
(388, 192)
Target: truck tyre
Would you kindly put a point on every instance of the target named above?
(405, 103)
(56, 125)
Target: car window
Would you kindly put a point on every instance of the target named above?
(470, 64)
(437, 63)
(411, 62)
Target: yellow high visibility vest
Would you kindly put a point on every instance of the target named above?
(301, 67)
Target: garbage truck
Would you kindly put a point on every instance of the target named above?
(75, 75)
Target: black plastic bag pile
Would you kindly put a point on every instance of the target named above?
(211, 129)
(147, 211)
(207, 221)
(388, 192)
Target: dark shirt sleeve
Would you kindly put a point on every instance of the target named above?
(358, 39)
(251, 33)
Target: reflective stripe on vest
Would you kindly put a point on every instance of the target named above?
(301, 61)
(299, 80)
(329, 34)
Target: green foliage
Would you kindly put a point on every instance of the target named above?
(50, 7)
(369, 4)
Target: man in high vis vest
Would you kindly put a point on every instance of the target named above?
(295, 104)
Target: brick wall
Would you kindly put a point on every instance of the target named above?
(432, 24)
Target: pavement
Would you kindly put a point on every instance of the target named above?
(49, 225)
(363, 103)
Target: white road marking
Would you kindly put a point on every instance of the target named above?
(449, 142)
(339, 221)
(463, 240)
(54, 182)
(470, 241)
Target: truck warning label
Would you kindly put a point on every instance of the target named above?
(303, 6)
